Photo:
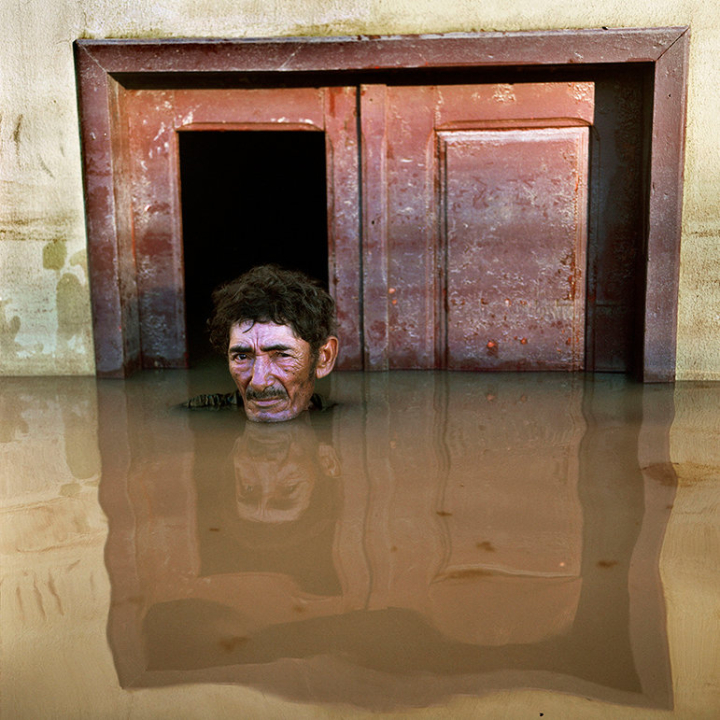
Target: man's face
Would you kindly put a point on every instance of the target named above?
(275, 472)
(274, 369)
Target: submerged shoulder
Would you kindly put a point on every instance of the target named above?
(215, 401)
(219, 401)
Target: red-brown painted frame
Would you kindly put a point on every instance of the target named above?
(111, 261)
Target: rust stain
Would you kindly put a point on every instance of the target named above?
(661, 472)
(467, 574)
(485, 545)
(688, 472)
(444, 513)
(606, 563)
(233, 643)
(18, 130)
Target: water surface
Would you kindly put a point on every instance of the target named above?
(429, 536)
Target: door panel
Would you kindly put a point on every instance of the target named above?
(424, 241)
(514, 234)
(154, 118)
(412, 226)
(375, 234)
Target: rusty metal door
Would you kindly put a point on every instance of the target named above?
(154, 119)
(475, 229)
(468, 251)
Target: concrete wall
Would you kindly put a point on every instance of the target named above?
(45, 323)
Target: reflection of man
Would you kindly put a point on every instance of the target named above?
(271, 503)
(276, 469)
(277, 329)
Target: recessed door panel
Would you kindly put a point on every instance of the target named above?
(472, 190)
(513, 227)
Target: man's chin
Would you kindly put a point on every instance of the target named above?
(264, 411)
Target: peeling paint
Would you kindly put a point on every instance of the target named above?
(504, 93)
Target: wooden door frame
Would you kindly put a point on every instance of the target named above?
(105, 68)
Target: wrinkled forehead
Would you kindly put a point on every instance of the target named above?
(263, 332)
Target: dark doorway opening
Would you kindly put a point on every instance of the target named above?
(248, 198)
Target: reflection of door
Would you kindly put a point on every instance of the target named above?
(471, 236)
(475, 225)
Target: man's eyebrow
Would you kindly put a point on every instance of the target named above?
(278, 347)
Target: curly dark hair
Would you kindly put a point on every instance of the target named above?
(269, 293)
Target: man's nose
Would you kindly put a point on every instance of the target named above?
(261, 373)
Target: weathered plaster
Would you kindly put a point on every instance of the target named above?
(45, 325)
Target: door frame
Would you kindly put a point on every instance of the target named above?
(106, 68)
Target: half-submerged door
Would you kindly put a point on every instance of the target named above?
(475, 225)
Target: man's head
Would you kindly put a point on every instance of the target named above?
(276, 328)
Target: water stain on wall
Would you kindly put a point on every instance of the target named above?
(54, 255)
(9, 328)
(79, 259)
(71, 307)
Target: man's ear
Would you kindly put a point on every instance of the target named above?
(328, 460)
(327, 355)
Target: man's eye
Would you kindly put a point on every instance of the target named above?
(239, 356)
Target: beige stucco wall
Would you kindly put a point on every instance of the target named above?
(45, 324)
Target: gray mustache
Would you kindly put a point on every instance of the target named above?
(269, 394)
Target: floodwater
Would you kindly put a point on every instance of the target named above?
(434, 545)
